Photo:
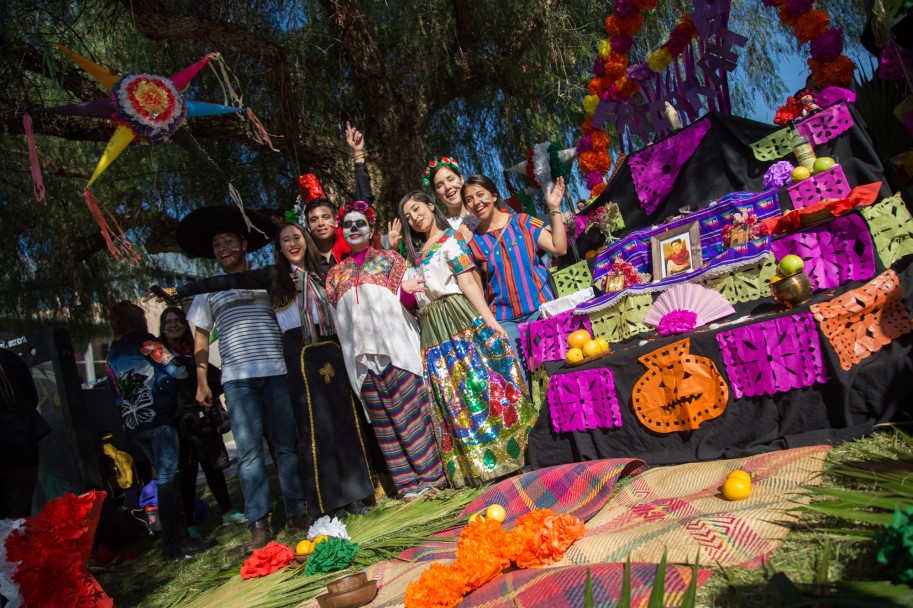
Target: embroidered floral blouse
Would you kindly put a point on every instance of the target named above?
(373, 327)
(439, 267)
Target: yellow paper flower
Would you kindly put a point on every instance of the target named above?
(659, 60)
(589, 104)
(605, 48)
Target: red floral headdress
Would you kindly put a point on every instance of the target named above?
(444, 160)
(357, 207)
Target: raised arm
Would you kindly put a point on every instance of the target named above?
(554, 241)
(259, 278)
(356, 141)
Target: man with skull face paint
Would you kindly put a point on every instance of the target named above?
(380, 344)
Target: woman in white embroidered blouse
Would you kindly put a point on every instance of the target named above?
(482, 406)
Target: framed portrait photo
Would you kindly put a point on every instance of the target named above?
(676, 251)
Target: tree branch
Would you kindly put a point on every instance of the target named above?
(481, 68)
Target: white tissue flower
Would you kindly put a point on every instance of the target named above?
(329, 526)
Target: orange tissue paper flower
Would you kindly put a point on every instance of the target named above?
(812, 24)
(587, 127)
(438, 587)
(596, 86)
(836, 73)
(587, 160)
(557, 535)
(612, 27)
(597, 190)
(600, 141)
(274, 556)
(631, 25)
(626, 87)
(616, 66)
(603, 162)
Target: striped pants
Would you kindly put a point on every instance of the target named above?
(401, 417)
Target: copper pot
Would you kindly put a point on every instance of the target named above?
(793, 290)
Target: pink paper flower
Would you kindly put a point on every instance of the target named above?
(677, 322)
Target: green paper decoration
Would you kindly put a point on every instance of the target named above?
(892, 229)
(623, 319)
(774, 146)
(332, 554)
(572, 278)
(745, 284)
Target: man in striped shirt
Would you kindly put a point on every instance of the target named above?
(253, 374)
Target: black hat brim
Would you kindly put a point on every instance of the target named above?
(196, 229)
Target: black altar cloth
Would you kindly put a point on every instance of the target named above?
(847, 406)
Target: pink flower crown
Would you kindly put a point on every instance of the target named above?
(356, 207)
(444, 160)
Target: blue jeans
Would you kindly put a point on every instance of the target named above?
(248, 400)
(160, 445)
(512, 327)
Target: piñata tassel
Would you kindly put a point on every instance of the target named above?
(236, 199)
(118, 244)
(258, 132)
(37, 180)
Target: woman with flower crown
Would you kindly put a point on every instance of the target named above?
(482, 406)
(380, 343)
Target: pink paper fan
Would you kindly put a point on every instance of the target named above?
(708, 304)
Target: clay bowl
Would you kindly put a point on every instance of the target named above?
(353, 598)
(793, 290)
(348, 582)
(301, 557)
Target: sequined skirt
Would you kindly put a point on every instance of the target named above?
(483, 413)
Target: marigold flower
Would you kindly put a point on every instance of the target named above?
(812, 24)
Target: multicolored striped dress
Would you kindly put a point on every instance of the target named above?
(380, 344)
(483, 413)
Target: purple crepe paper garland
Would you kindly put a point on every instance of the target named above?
(774, 356)
(831, 251)
(583, 401)
(655, 168)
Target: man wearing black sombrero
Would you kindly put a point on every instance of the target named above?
(253, 368)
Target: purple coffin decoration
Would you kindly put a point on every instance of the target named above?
(583, 400)
(834, 252)
(655, 168)
(775, 356)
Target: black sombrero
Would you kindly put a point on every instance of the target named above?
(195, 231)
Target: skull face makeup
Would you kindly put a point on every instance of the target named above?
(356, 229)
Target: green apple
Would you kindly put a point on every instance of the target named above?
(823, 164)
(791, 264)
(800, 173)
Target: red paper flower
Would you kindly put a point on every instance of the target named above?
(262, 562)
(836, 73)
(811, 25)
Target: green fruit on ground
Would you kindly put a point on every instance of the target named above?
(800, 173)
(791, 264)
(823, 164)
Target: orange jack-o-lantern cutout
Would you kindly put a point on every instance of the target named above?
(679, 390)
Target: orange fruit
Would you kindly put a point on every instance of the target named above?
(603, 344)
(320, 539)
(740, 474)
(775, 279)
(496, 512)
(578, 338)
(589, 254)
(591, 348)
(736, 488)
(574, 355)
(305, 547)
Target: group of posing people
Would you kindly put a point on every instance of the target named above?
(343, 346)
